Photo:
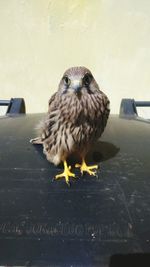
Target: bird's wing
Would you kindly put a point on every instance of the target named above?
(48, 122)
(52, 103)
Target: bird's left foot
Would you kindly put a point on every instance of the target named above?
(89, 169)
(66, 173)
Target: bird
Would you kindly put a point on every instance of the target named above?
(77, 115)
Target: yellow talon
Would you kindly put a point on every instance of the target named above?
(84, 168)
(66, 173)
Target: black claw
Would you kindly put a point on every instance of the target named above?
(69, 184)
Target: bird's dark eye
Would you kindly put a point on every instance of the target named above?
(66, 80)
(87, 79)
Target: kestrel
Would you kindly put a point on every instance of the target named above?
(76, 118)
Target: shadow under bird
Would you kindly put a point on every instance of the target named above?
(76, 118)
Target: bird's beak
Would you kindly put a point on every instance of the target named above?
(76, 85)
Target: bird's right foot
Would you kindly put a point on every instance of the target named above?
(66, 173)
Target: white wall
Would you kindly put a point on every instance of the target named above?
(39, 39)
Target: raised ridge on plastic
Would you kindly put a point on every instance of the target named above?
(128, 108)
(16, 106)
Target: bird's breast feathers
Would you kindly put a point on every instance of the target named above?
(84, 109)
(75, 120)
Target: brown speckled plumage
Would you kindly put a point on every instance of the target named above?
(76, 117)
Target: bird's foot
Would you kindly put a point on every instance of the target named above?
(65, 174)
(84, 168)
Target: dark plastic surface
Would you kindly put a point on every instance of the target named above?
(95, 222)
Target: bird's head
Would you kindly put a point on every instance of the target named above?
(78, 80)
